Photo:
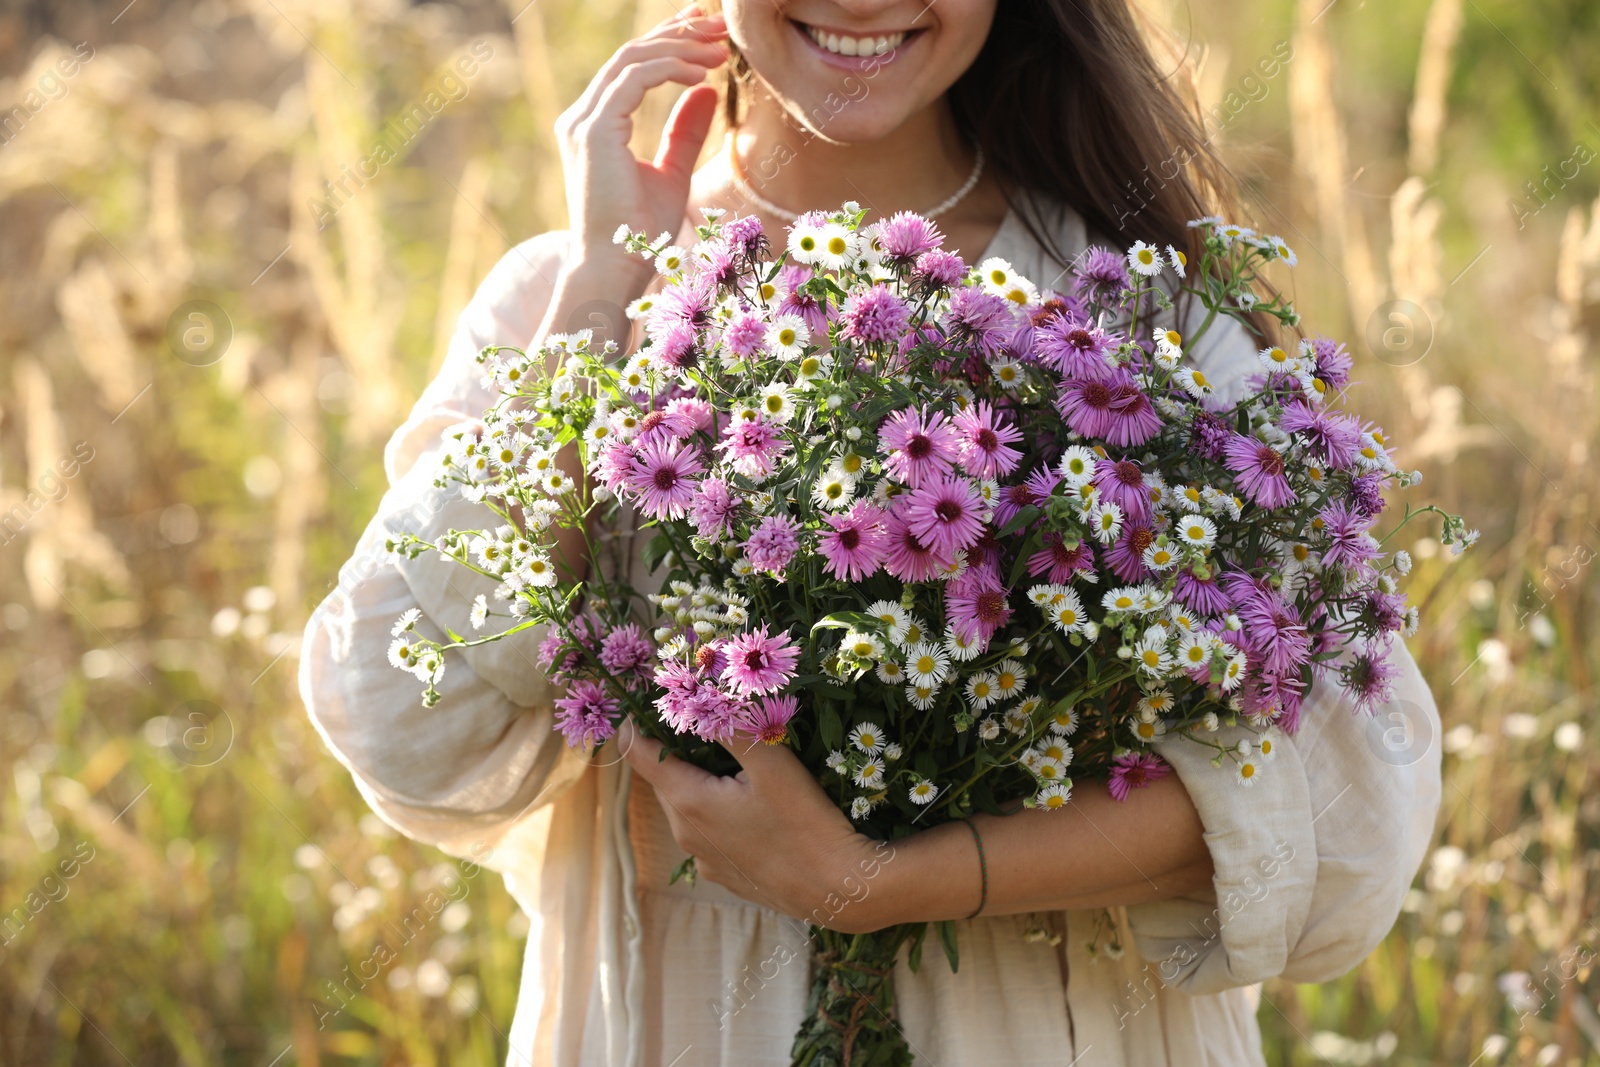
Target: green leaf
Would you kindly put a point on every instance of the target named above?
(656, 550)
(947, 938)
(1019, 520)
(1029, 547)
(829, 726)
(914, 959)
(850, 620)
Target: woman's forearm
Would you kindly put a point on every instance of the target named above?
(1097, 852)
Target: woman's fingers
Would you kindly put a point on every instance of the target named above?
(696, 40)
(624, 95)
(685, 132)
(671, 776)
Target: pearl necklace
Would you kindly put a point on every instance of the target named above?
(789, 216)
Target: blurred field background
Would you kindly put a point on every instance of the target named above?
(228, 886)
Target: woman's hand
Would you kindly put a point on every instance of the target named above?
(606, 184)
(769, 833)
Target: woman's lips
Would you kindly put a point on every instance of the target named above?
(893, 46)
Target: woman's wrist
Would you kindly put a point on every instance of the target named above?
(927, 877)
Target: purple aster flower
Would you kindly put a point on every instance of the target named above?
(1126, 556)
(713, 508)
(906, 235)
(1349, 543)
(745, 334)
(812, 311)
(674, 344)
(940, 269)
(976, 605)
(1369, 678)
(1260, 470)
(1331, 437)
(945, 513)
(1133, 418)
(662, 479)
(1122, 483)
(773, 544)
(1273, 632)
(907, 557)
(978, 321)
(1101, 274)
(754, 446)
(746, 235)
(1055, 562)
(767, 720)
(1076, 348)
(759, 663)
(1208, 435)
(625, 650)
(1135, 770)
(921, 445)
(875, 316)
(986, 441)
(584, 715)
(1201, 595)
(1333, 362)
(855, 545)
(1366, 493)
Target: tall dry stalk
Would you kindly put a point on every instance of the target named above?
(1322, 160)
(463, 253)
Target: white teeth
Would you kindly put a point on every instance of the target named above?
(855, 46)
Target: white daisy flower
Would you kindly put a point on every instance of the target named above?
(812, 368)
(1016, 722)
(867, 737)
(1105, 518)
(1196, 531)
(916, 631)
(1064, 723)
(777, 403)
(1006, 371)
(961, 649)
(671, 261)
(892, 751)
(787, 337)
(640, 308)
(480, 611)
(835, 490)
(981, 690)
(922, 697)
(1144, 259)
(403, 652)
(538, 571)
(890, 672)
(1281, 249)
(805, 243)
(1231, 232)
(927, 664)
(1055, 747)
(1277, 359)
(1193, 382)
(1122, 598)
(893, 616)
(1248, 771)
(1151, 652)
(1194, 650)
(1169, 343)
(1048, 770)
(869, 775)
(407, 620)
(1001, 279)
(1148, 731)
(836, 762)
(1066, 611)
(1233, 671)
(1156, 703)
(862, 646)
(1009, 681)
(1159, 557)
(836, 247)
(923, 792)
(1077, 465)
(860, 808)
(1178, 260)
(988, 728)
(1054, 796)
(1267, 745)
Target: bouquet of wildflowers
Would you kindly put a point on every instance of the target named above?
(955, 540)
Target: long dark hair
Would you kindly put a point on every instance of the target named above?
(1068, 101)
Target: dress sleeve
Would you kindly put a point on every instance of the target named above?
(458, 774)
(1312, 860)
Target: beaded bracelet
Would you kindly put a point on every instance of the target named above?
(983, 868)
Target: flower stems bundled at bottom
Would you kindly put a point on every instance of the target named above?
(954, 539)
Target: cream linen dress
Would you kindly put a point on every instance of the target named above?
(623, 970)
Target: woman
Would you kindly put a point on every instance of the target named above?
(1130, 933)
